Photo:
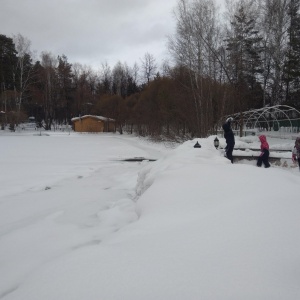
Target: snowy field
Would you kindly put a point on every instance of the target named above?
(77, 222)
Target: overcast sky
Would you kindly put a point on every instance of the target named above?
(92, 32)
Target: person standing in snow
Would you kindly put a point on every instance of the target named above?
(296, 152)
(264, 155)
(229, 137)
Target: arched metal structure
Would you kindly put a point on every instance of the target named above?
(268, 118)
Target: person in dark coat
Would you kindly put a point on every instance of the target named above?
(264, 155)
(229, 137)
(296, 152)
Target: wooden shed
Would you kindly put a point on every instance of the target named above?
(89, 123)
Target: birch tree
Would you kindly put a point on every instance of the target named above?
(194, 47)
(24, 69)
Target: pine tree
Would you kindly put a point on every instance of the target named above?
(292, 64)
(65, 97)
(244, 61)
(8, 61)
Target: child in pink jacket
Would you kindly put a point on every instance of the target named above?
(264, 155)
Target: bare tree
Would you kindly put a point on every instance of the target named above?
(149, 66)
(49, 63)
(135, 73)
(105, 86)
(85, 82)
(194, 46)
(119, 79)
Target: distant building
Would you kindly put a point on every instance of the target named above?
(89, 123)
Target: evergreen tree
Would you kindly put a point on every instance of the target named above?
(292, 63)
(8, 61)
(64, 74)
(244, 62)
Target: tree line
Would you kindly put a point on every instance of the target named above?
(245, 57)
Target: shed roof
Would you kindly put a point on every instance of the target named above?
(94, 117)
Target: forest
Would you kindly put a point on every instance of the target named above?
(221, 62)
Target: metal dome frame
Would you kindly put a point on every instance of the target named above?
(268, 117)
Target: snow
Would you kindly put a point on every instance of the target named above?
(79, 222)
(92, 116)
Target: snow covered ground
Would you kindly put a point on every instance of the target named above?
(78, 222)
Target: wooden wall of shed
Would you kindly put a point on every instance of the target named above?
(89, 125)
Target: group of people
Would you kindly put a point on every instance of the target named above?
(264, 146)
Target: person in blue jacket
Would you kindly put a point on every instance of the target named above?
(229, 137)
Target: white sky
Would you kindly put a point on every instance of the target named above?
(77, 222)
(92, 32)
